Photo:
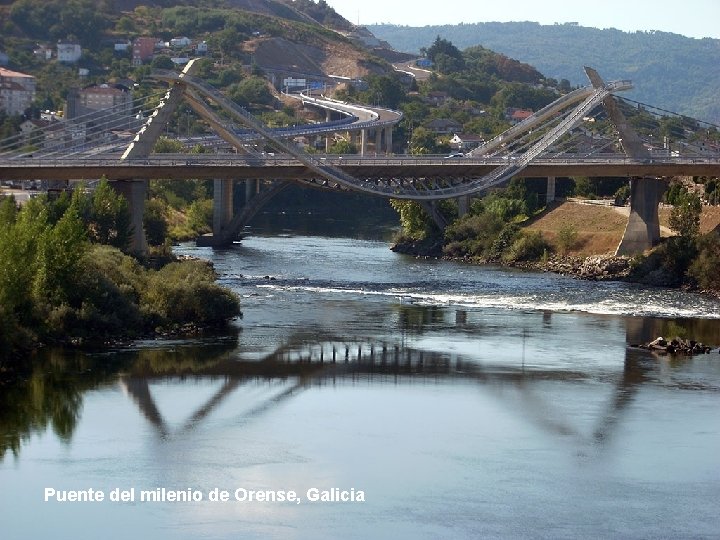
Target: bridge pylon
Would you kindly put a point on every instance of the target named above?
(643, 228)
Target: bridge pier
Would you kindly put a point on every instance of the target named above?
(550, 195)
(222, 205)
(463, 205)
(643, 228)
(388, 140)
(363, 141)
(135, 193)
(251, 189)
(378, 141)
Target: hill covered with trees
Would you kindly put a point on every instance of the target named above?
(669, 70)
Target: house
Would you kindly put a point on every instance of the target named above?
(201, 48)
(43, 133)
(180, 42)
(466, 141)
(515, 116)
(436, 98)
(43, 53)
(68, 51)
(443, 126)
(143, 50)
(107, 104)
(17, 91)
(122, 46)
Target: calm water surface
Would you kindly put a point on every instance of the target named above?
(464, 402)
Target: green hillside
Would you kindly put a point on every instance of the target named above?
(669, 70)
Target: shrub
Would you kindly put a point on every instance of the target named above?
(471, 235)
(503, 241)
(200, 216)
(622, 195)
(685, 214)
(503, 208)
(567, 238)
(704, 269)
(187, 292)
(529, 246)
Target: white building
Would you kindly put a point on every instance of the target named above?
(68, 51)
(179, 42)
(17, 91)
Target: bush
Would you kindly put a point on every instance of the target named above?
(704, 269)
(471, 235)
(529, 246)
(505, 209)
(187, 292)
(567, 238)
(503, 241)
(200, 216)
(685, 214)
(622, 195)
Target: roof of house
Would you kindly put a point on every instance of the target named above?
(470, 137)
(521, 114)
(14, 74)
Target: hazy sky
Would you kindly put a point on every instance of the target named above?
(694, 18)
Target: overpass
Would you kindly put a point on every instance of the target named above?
(540, 146)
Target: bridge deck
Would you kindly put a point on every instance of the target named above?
(369, 168)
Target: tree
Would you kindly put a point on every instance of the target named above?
(59, 252)
(424, 141)
(168, 146)
(105, 214)
(162, 61)
(385, 90)
(416, 223)
(155, 222)
(342, 146)
(704, 269)
(685, 215)
(448, 51)
(252, 90)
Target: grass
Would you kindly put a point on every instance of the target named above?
(600, 228)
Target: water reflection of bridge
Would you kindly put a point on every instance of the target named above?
(291, 370)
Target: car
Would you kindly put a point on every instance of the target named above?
(455, 155)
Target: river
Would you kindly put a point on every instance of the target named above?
(457, 401)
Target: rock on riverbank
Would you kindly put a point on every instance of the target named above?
(687, 347)
(596, 267)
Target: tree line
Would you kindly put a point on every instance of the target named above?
(65, 278)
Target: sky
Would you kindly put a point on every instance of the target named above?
(693, 18)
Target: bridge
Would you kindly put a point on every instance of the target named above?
(558, 140)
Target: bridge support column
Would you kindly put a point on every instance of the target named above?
(550, 196)
(135, 193)
(251, 189)
(643, 228)
(378, 141)
(363, 141)
(222, 204)
(388, 140)
(463, 205)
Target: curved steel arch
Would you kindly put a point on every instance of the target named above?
(421, 190)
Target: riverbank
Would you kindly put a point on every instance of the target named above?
(581, 239)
